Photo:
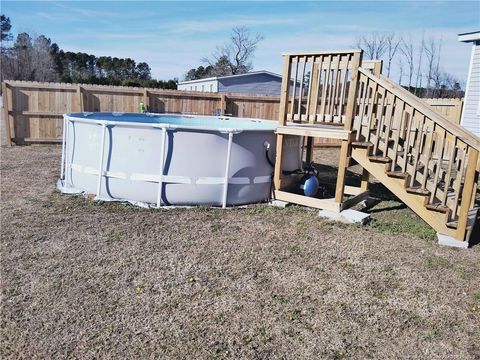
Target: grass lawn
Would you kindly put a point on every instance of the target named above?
(84, 279)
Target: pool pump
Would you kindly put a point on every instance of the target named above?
(309, 184)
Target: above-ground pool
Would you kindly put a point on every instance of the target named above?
(162, 159)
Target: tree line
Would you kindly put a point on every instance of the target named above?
(417, 63)
(36, 58)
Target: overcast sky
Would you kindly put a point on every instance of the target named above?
(172, 37)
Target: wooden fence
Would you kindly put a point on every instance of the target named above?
(450, 108)
(33, 111)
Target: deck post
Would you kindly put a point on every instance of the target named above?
(469, 189)
(349, 116)
(282, 120)
(342, 170)
(364, 181)
(309, 145)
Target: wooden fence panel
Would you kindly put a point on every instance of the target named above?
(34, 110)
(450, 108)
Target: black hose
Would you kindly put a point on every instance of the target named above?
(268, 159)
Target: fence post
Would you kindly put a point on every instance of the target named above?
(6, 116)
(80, 98)
(222, 104)
(146, 100)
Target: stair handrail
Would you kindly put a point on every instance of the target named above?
(459, 131)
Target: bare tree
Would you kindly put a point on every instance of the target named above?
(236, 55)
(392, 44)
(44, 66)
(400, 71)
(373, 45)
(29, 58)
(432, 49)
(408, 52)
(418, 80)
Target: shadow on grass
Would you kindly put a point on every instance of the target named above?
(327, 176)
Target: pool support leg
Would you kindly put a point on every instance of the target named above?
(162, 160)
(67, 169)
(62, 165)
(100, 165)
(227, 171)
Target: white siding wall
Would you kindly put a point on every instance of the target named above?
(206, 86)
(471, 108)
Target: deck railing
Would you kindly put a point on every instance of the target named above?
(322, 86)
(437, 158)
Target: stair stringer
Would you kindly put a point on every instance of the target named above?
(397, 186)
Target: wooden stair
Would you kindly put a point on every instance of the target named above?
(416, 199)
(428, 162)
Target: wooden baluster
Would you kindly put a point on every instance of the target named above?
(325, 87)
(430, 140)
(398, 119)
(380, 120)
(363, 101)
(344, 87)
(406, 144)
(333, 95)
(440, 151)
(370, 117)
(418, 148)
(294, 91)
(468, 193)
(311, 83)
(462, 149)
(300, 95)
(319, 82)
(388, 120)
(451, 162)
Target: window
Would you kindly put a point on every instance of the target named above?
(211, 87)
(203, 87)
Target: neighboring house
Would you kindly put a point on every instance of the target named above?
(257, 82)
(471, 108)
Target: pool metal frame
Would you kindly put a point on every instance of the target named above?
(66, 165)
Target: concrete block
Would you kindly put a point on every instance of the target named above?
(446, 240)
(332, 215)
(355, 217)
(279, 203)
(347, 216)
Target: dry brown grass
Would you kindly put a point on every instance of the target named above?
(82, 279)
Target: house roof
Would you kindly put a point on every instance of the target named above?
(231, 76)
(469, 37)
